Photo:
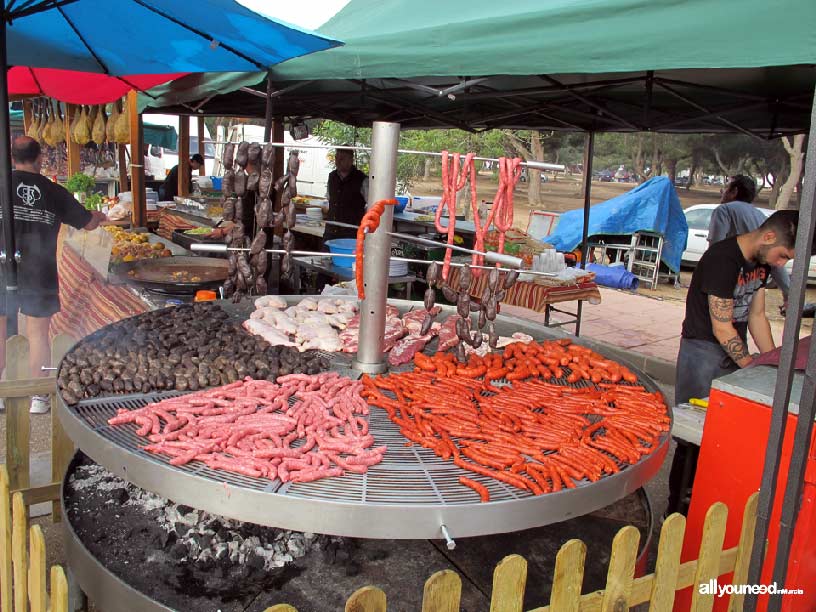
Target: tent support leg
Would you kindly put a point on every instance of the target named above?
(268, 119)
(8, 259)
(589, 151)
(790, 340)
(382, 185)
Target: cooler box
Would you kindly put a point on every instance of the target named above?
(729, 470)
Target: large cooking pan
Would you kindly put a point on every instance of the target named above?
(176, 275)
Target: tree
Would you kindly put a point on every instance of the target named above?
(796, 154)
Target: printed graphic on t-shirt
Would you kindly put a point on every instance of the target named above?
(30, 195)
(748, 283)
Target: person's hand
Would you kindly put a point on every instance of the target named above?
(97, 217)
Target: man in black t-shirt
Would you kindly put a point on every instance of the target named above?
(169, 189)
(347, 192)
(725, 301)
(40, 207)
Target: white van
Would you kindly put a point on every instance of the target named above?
(315, 164)
(162, 159)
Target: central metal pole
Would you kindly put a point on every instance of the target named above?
(382, 185)
(8, 252)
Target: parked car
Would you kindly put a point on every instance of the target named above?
(681, 181)
(698, 218)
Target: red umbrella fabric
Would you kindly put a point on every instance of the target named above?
(79, 87)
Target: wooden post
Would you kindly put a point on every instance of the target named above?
(62, 449)
(708, 563)
(137, 182)
(184, 156)
(37, 573)
(59, 589)
(366, 599)
(509, 583)
(124, 181)
(568, 577)
(443, 592)
(18, 421)
(746, 545)
(202, 171)
(19, 552)
(668, 563)
(621, 572)
(6, 571)
(73, 148)
(28, 115)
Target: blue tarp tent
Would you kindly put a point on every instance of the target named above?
(651, 207)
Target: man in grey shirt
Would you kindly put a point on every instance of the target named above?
(736, 215)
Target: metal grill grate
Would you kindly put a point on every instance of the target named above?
(409, 495)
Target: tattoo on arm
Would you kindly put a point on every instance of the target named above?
(736, 349)
(721, 309)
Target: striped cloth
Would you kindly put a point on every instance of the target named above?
(88, 302)
(531, 295)
(168, 222)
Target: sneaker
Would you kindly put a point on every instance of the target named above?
(40, 404)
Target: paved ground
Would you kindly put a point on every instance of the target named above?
(645, 325)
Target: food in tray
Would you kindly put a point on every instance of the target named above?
(311, 324)
(250, 428)
(187, 347)
(199, 231)
(134, 246)
(533, 432)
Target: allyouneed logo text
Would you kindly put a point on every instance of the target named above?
(712, 587)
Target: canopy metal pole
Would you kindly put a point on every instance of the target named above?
(779, 414)
(589, 150)
(382, 184)
(268, 117)
(536, 165)
(8, 253)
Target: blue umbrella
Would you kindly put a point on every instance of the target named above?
(121, 37)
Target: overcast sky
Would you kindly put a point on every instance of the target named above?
(310, 14)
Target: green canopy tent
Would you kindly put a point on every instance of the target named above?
(601, 65)
(589, 65)
(161, 135)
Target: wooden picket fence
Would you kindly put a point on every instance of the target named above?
(443, 590)
(17, 390)
(23, 570)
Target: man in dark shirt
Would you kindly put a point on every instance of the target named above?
(737, 215)
(725, 301)
(347, 194)
(169, 189)
(40, 207)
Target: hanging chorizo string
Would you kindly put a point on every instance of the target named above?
(453, 179)
(370, 222)
(501, 215)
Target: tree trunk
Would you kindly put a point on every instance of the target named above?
(426, 176)
(535, 152)
(657, 162)
(534, 176)
(671, 167)
(796, 152)
(773, 196)
(638, 160)
(692, 175)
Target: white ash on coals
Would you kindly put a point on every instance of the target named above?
(201, 537)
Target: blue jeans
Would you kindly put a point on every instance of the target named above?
(699, 362)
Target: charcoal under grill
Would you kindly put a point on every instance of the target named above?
(412, 494)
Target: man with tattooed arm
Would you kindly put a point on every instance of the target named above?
(725, 301)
